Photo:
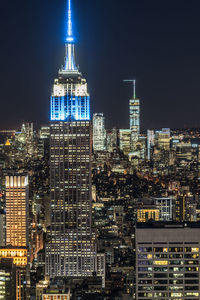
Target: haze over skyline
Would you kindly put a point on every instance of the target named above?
(155, 43)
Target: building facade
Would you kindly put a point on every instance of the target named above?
(168, 261)
(166, 208)
(7, 279)
(145, 214)
(99, 132)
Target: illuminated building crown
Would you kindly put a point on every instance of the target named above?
(70, 100)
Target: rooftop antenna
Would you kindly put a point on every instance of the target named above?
(70, 38)
(134, 86)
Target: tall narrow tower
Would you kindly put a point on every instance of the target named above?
(71, 249)
(134, 116)
(134, 106)
(99, 132)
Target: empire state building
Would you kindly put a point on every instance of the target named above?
(71, 247)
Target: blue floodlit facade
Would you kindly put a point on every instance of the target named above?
(72, 108)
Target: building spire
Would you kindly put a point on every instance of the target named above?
(69, 38)
(134, 89)
(70, 62)
(134, 86)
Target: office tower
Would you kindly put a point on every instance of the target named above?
(168, 261)
(7, 279)
(26, 137)
(71, 249)
(17, 210)
(150, 143)
(99, 132)
(162, 139)
(134, 110)
(125, 140)
(111, 143)
(16, 248)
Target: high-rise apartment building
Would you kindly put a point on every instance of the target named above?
(99, 132)
(17, 210)
(168, 261)
(71, 249)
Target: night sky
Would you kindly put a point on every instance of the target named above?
(155, 42)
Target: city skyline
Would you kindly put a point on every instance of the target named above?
(100, 200)
(163, 59)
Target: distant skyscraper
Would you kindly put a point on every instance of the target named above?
(99, 132)
(134, 110)
(150, 142)
(71, 250)
(162, 139)
(17, 210)
(111, 139)
(125, 140)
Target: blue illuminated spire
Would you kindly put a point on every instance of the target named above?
(69, 38)
(70, 62)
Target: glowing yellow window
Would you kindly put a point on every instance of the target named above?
(195, 250)
(161, 262)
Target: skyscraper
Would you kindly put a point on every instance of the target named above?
(71, 250)
(16, 210)
(125, 140)
(111, 139)
(134, 110)
(99, 132)
(16, 249)
(150, 143)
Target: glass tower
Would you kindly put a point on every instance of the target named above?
(134, 110)
(71, 248)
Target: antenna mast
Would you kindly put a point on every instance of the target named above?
(134, 86)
